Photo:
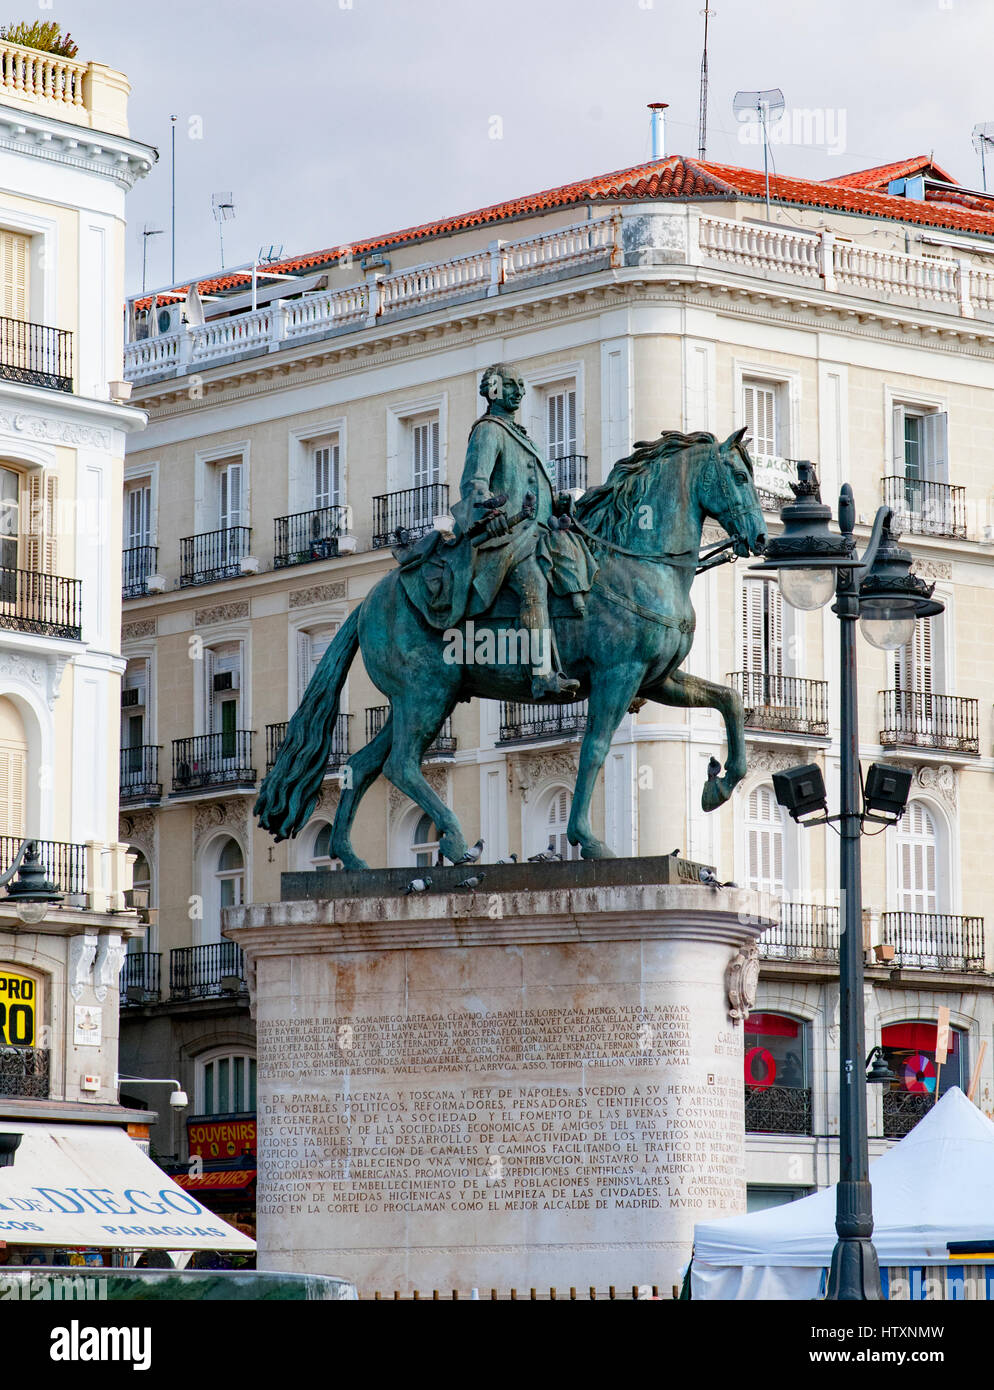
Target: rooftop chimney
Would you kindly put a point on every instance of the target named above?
(658, 122)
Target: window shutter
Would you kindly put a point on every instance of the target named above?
(49, 550)
(898, 462)
(752, 625)
(33, 539)
(935, 447)
(434, 451)
(13, 776)
(304, 667)
(764, 840)
(561, 417)
(774, 628)
(759, 413)
(209, 667)
(326, 475)
(230, 500)
(138, 520)
(917, 861)
(15, 261)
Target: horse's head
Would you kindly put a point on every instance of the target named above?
(727, 492)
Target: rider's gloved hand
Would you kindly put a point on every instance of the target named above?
(497, 526)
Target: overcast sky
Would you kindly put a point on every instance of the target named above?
(330, 120)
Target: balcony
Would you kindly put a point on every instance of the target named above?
(64, 863)
(307, 536)
(140, 774)
(24, 1072)
(399, 518)
(527, 723)
(778, 1110)
(141, 978)
(924, 508)
(903, 1110)
(46, 604)
(213, 555)
(919, 719)
(205, 972)
(276, 733)
(789, 704)
(806, 931)
(569, 472)
(35, 355)
(213, 760)
(137, 564)
(934, 940)
(442, 748)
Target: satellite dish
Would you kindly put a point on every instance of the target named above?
(194, 309)
(983, 137)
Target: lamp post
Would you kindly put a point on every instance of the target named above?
(813, 563)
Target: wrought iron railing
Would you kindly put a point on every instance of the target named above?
(569, 472)
(137, 564)
(64, 863)
(276, 733)
(791, 703)
(213, 760)
(806, 931)
(443, 746)
(198, 972)
(925, 508)
(903, 1110)
(213, 555)
(526, 722)
(24, 1071)
(140, 773)
(919, 719)
(778, 1110)
(307, 536)
(47, 604)
(402, 517)
(934, 940)
(141, 981)
(35, 354)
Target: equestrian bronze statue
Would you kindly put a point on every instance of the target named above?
(533, 596)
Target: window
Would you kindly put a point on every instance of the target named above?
(226, 1085)
(223, 672)
(230, 875)
(311, 647)
(40, 545)
(326, 472)
(761, 1196)
(425, 845)
(10, 513)
(764, 842)
(916, 664)
(424, 451)
(141, 882)
(910, 1052)
(15, 264)
(777, 1084)
(762, 628)
(13, 770)
(137, 514)
(556, 820)
(134, 707)
(917, 849)
(560, 415)
(230, 508)
(761, 415)
(921, 449)
(320, 857)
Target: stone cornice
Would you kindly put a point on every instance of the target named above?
(115, 157)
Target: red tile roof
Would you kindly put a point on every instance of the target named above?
(677, 176)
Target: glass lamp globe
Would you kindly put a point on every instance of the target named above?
(807, 588)
(887, 630)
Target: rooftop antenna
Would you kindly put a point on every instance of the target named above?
(983, 135)
(172, 272)
(224, 210)
(761, 105)
(702, 115)
(270, 255)
(658, 127)
(147, 231)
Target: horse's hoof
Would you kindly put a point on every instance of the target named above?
(596, 849)
(350, 860)
(715, 794)
(453, 847)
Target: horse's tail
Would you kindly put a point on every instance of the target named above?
(290, 791)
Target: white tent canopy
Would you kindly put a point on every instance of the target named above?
(935, 1186)
(90, 1185)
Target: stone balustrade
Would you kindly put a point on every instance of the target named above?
(88, 94)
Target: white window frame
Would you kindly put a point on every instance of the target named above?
(399, 418)
(216, 638)
(148, 473)
(206, 485)
(791, 622)
(796, 882)
(948, 881)
(539, 383)
(43, 289)
(788, 381)
(536, 819)
(209, 878)
(918, 403)
(300, 491)
(220, 1054)
(145, 651)
(318, 616)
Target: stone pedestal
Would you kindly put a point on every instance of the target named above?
(511, 1090)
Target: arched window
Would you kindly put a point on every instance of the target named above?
(921, 1074)
(556, 819)
(224, 885)
(917, 856)
(764, 842)
(778, 1087)
(226, 1085)
(141, 887)
(424, 846)
(316, 846)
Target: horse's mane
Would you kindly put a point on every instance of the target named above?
(605, 510)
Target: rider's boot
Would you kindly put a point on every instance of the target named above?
(546, 680)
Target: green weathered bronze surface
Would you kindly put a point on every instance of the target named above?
(622, 619)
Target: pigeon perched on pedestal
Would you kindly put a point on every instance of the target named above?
(710, 880)
(418, 885)
(471, 883)
(549, 855)
(473, 853)
(508, 859)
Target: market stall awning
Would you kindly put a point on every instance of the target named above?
(90, 1185)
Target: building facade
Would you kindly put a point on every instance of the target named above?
(305, 413)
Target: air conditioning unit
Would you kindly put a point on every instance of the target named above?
(226, 680)
(169, 317)
(132, 698)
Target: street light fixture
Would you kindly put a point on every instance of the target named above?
(878, 590)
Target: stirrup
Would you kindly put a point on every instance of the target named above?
(556, 683)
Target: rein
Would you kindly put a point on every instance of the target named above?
(715, 556)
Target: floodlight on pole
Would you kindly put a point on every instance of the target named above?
(223, 210)
(983, 136)
(762, 106)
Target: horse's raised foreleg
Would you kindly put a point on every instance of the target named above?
(417, 719)
(684, 690)
(610, 695)
(362, 768)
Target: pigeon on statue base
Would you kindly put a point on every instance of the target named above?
(549, 855)
(418, 885)
(473, 853)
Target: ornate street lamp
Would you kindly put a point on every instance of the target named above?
(812, 564)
